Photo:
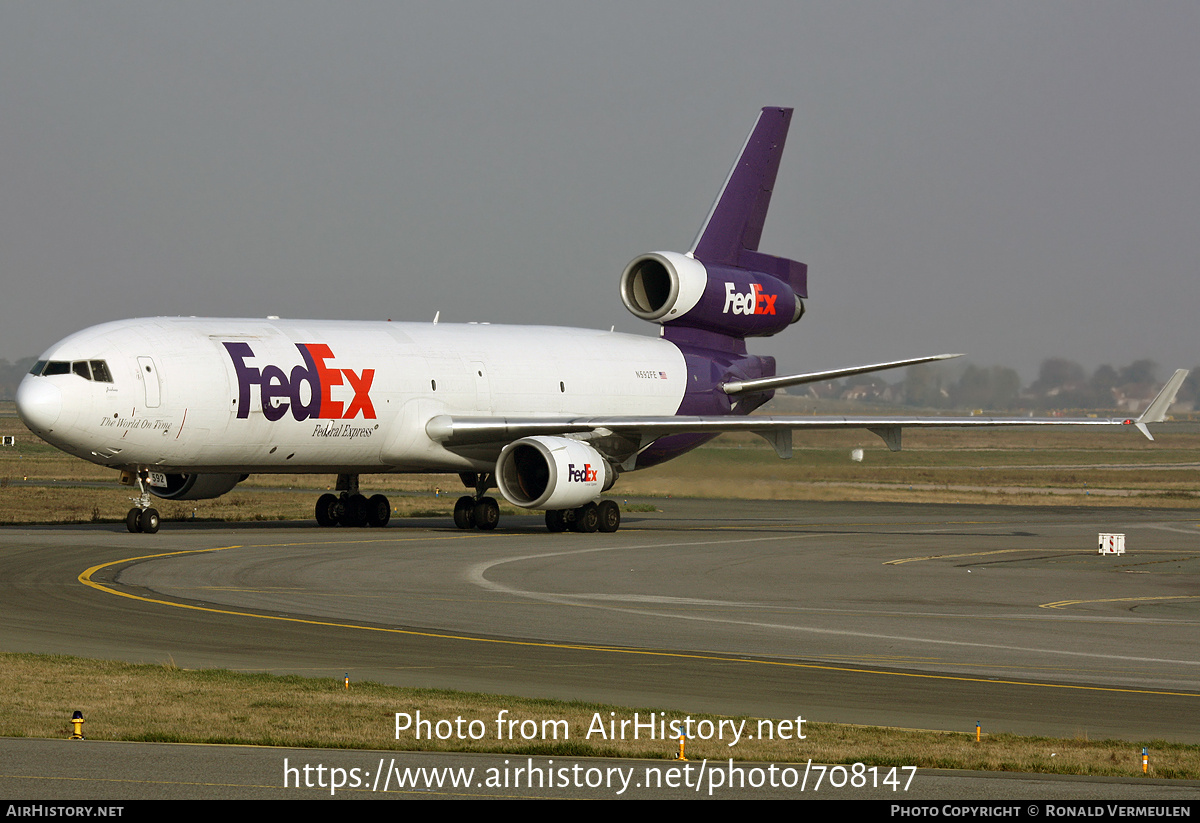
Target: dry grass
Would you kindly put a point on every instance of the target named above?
(1062, 467)
(162, 703)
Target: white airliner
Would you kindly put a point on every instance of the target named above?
(186, 408)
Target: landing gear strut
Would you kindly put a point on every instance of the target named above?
(349, 508)
(478, 511)
(142, 517)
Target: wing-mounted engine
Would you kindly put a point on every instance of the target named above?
(195, 486)
(545, 472)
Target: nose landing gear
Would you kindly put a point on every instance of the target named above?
(142, 518)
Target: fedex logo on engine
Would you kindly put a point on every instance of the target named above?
(756, 301)
(585, 475)
(280, 392)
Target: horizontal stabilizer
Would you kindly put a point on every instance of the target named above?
(767, 383)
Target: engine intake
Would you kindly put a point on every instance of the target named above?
(552, 473)
(662, 285)
(674, 289)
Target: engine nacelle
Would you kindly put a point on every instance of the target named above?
(552, 473)
(670, 288)
(663, 285)
(196, 486)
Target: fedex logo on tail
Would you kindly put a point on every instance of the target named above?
(280, 392)
(585, 475)
(756, 301)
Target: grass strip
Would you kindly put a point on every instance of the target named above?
(164, 703)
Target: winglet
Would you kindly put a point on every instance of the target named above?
(1156, 412)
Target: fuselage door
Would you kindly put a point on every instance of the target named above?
(149, 374)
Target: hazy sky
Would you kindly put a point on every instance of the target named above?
(1012, 180)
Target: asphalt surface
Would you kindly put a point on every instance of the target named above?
(933, 617)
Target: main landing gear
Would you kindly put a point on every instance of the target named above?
(478, 511)
(142, 517)
(483, 513)
(604, 516)
(349, 508)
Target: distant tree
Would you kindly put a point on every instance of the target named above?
(995, 387)
(923, 387)
(1100, 387)
(1104, 378)
(1138, 372)
(1189, 392)
(1055, 375)
(1006, 388)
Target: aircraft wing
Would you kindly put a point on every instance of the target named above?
(623, 438)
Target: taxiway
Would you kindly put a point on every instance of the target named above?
(901, 615)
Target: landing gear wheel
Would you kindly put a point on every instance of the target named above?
(555, 522)
(464, 512)
(487, 514)
(379, 511)
(356, 511)
(329, 508)
(133, 520)
(148, 521)
(587, 518)
(610, 516)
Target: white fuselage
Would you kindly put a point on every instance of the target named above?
(239, 395)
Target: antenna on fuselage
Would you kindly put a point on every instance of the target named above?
(436, 315)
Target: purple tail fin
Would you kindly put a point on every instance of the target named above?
(731, 234)
(725, 290)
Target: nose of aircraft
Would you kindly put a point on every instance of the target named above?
(39, 403)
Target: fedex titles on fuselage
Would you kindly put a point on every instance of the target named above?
(753, 302)
(282, 391)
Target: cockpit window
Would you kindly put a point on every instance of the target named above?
(100, 372)
(95, 370)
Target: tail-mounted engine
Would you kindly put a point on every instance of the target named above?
(552, 473)
(671, 288)
(725, 284)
